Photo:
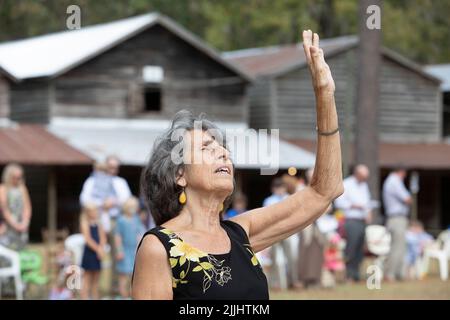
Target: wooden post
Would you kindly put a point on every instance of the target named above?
(414, 188)
(348, 114)
(52, 207)
(366, 138)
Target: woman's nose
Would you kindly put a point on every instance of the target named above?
(223, 153)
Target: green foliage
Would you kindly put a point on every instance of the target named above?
(419, 29)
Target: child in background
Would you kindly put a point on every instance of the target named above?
(239, 206)
(60, 291)
(416, 240)
(95, 239)
(128, 233)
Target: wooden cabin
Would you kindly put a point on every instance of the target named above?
(144, 66)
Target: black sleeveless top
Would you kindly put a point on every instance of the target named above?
(198, 275)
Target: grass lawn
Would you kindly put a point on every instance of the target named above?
(429, 288)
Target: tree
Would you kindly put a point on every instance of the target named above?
(366, 137)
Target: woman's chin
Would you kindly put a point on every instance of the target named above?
(223, 186)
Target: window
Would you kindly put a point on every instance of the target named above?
(152, 99)
(152, 77)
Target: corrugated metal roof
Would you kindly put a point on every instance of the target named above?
(441, 71)
(132, 141)
(34, 145)
(271, 60)
(277, 60)
(411, 155)
(53, 54)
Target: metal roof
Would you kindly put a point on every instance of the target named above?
(275, 61)
(34, 145)
(53, 54)
(268, 61)
(441, 71)
(132, 141)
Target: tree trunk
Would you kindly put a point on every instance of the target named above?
(366, 138)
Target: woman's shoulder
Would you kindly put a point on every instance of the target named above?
(152, 245)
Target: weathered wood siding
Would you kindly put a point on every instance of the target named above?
(260, 102)
(110, 85)
(4, 97)
(296, 115)
(30, 101)
(410, 108)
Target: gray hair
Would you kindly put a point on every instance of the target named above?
(159, 187)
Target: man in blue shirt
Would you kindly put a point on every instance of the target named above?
(396, 200)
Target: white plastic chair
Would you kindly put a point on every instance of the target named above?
(13, 270)
(440, 250)
(378, 241)
(75, 244)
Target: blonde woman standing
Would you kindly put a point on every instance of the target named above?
(15, 206)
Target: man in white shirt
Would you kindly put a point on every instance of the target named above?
(110, 205)
(355, 203)
(396, 200)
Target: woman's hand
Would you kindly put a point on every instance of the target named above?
(120, 256)
(100, 253)
(322, 80)
(22, 227)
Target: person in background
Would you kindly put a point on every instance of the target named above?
(99, 189)
(397, 200)
(279, 193)
(301, 183)
(416, 240)
(239, 206)
(94, 251)
(60, 290)
(15, 206)
(128, 232)
(311, 250)
(355, 203)
(2, 226)
(109, 192)
(145, 215)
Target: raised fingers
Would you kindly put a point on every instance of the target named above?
(315, 40)
(307, 42)
(316, 57)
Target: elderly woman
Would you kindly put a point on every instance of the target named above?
(193, 253)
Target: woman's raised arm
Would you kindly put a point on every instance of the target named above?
(268, 225)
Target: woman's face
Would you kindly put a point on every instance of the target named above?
(207, 164)
(92, 213)
(16, 177)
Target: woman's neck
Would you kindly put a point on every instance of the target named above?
(201, 211)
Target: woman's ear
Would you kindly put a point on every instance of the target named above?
(181, 180)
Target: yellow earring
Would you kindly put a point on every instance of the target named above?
(182, 198)
(221, 207)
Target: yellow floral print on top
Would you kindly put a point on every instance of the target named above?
(183, 254)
